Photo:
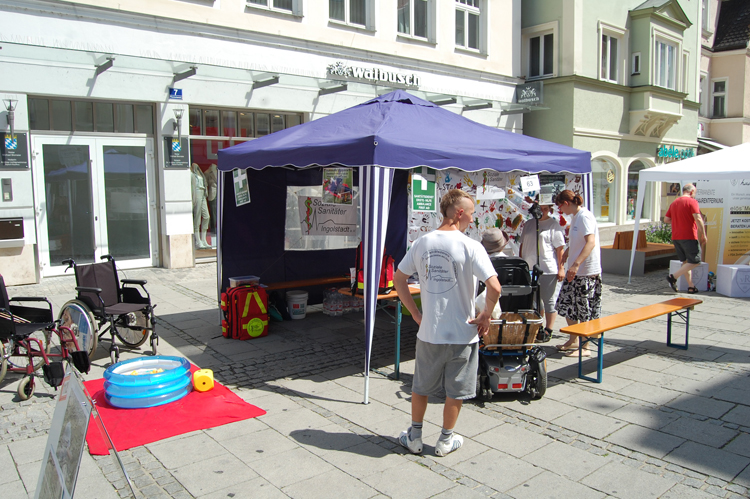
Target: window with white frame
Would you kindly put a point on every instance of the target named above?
(665, 64)
(609, 58)
(719, 98)
(469, 24)
(703, 96)
(539, 50)
(413, 17)
(611, 50)
(285, 6)
(352, 12)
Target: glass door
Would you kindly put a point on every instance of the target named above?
(95, 196)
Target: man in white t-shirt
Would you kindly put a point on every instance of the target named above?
(448, 264)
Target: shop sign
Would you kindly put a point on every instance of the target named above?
(671, 152)
(530, 93)
(374, 75)
(175, 93)
(13, 151)
(176, 153)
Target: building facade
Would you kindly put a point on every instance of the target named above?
(621, 81)
(724, 74)
(114, 110)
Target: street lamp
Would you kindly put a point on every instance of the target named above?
(10, 106)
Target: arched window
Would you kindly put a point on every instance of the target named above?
(632, 193)
(604, 176)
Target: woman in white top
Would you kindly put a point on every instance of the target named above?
(551, 247)
(580, 298)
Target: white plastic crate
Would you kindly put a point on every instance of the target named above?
(733, 280)
(700, 276)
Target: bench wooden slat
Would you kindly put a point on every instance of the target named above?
(604, 324)
(304, 283)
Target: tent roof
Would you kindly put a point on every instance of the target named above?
(726, 163)
(399, 130)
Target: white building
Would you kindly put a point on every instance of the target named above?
(96, 88)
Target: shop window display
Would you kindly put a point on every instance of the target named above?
(632, 193)
(604, 180)
(212, 130)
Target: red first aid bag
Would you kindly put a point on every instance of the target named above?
(245, 312)
(385, 283)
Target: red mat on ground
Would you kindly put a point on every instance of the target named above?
(130, 428)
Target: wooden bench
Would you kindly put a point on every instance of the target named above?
(593, 331)
(615, 258)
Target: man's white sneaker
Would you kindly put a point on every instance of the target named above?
(444, 447)
(414, 446)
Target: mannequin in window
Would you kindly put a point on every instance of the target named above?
(200, 206)
(211, 182)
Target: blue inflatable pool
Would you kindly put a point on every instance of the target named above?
(147, 381)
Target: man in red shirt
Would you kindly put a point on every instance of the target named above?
(687, 229)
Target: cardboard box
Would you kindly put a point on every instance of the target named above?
(733, 280)
(700, 276)
(243, 280)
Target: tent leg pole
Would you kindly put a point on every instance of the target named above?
(367, 388)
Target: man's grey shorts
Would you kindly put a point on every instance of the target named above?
(449, 368)
(688, 250)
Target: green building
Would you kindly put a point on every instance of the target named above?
(620, 79)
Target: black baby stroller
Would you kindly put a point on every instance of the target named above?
(509, 359)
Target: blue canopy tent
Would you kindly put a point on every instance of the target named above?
(383, 138)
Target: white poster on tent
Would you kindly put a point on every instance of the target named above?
(321, 219)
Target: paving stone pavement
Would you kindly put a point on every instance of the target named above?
(664, 423)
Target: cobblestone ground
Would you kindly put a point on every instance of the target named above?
(302, 355)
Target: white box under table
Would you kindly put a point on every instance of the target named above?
(700, 276)
(733, 280)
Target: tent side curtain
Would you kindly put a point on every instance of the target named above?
(252, 235)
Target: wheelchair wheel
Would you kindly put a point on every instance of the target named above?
(133, 333)
(26, 388)
(17, 353)
(3, 362)
(76, 316)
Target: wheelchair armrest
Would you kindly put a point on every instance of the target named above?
(140, 282)
(30, 298)
(88, 289)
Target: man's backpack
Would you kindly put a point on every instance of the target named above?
(385, 285)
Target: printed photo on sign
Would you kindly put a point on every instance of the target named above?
(549, 187)
(337, 185)
(320, 219)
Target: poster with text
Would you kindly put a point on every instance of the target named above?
(737, 237)
(320, 219)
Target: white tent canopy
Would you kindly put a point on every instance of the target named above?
(729, 163)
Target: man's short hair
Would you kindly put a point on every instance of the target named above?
(688, 188)
(451, 198)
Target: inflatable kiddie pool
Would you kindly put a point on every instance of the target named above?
(147, 381)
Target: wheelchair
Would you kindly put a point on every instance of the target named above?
(31, 339)
(107, 305)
